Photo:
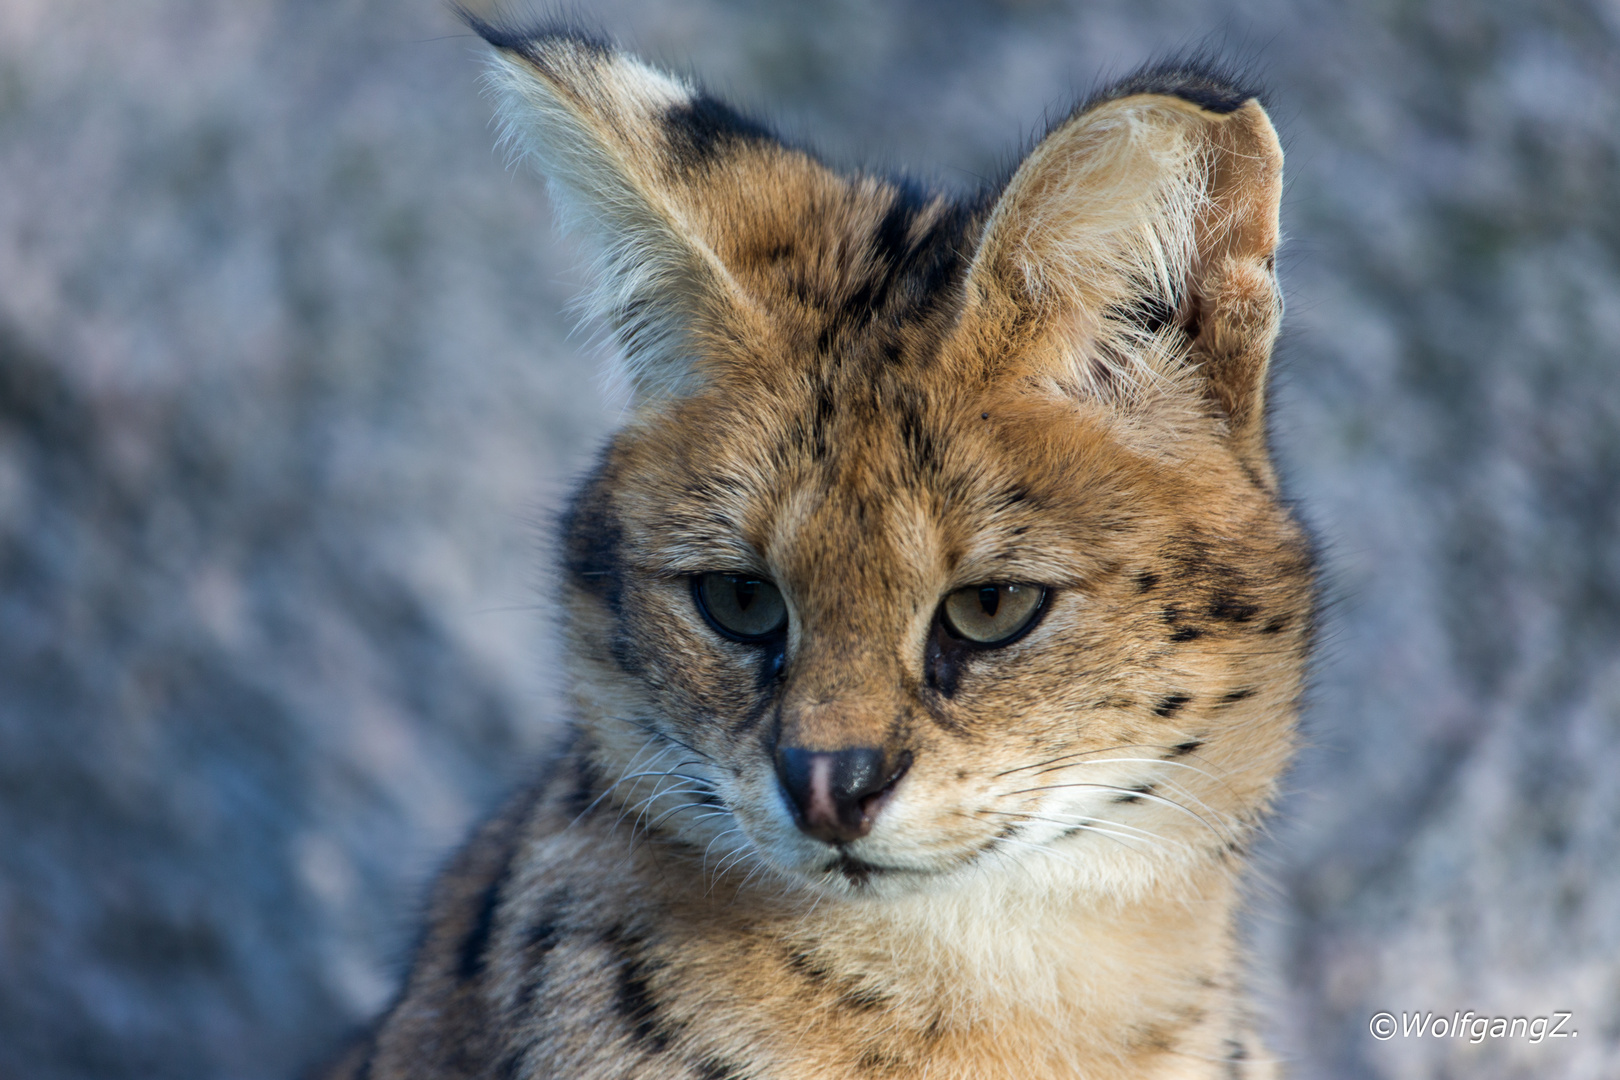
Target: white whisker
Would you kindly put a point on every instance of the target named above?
(1226, 837)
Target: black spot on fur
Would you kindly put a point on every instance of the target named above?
(861, 304)
(877, 1061)
(1276, 626)
(582, 794)
(1171, 704)
(705, 128)
(828, 336)
(858, 998)
(1187, 633)
(1230, 608)
(1007, 498)
(892, 241)
(542, 937)
(545, 931)
(715, 1068)
(592, 538)
(913, 267)
(937, 263)
(470, 957)
(633, 997)
(1185, 748)
(917, 433)
(821, 419)
(1145, 581)
(1198, 78)
(1238, 695)
(806, 967)
(1136, 796)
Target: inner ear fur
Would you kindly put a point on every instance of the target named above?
(1136, 243)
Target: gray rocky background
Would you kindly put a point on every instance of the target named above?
(287, 400)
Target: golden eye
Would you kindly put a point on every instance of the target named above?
(740, 606)
(993, 614)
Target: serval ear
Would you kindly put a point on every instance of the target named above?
(630, 155)
(1135, 245)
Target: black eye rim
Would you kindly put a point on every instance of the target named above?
(1036, 617)
(768, 638)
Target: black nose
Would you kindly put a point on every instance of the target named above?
(836, 794)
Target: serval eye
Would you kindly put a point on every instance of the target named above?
(993, 614)
(740, 606)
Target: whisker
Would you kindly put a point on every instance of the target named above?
(1178, 788)
(744, 883)
(736, 856)
(633, 776)
(688, 806)
(666, 736)
(1068, 820)
(1099, 750)
(1059, 856)
(1226, 837)
(642, 808)
(716, 840)
(1181, 790)
(622, 778)
(704, 817)
(1133, 761)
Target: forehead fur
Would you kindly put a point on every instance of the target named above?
(847, 466)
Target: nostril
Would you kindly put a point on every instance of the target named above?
(835, 794)
(871, 804)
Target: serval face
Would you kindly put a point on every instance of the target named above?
(943, 537)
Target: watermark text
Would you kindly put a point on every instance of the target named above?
(1470, 1026)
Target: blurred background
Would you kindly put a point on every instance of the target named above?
(287, 401)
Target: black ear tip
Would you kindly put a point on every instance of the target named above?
(528, 38)
(1203, 78)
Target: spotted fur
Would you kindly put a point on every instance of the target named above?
(873, 394)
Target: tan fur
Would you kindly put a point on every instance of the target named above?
(873, 398)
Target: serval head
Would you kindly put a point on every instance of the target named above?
(942, 537)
